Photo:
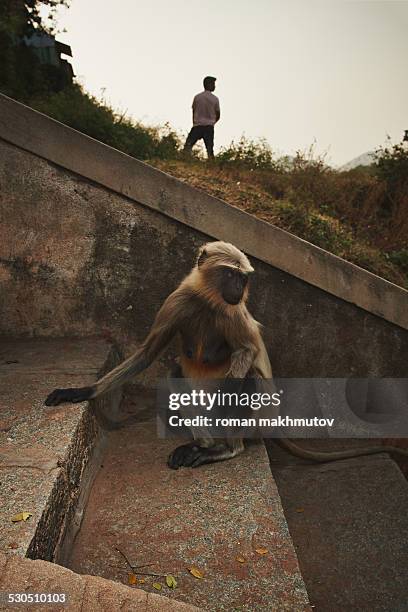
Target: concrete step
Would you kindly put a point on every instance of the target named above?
(82, 593)
(46, 454)
(206, 517)
(349, 524)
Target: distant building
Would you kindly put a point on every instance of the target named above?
(49, 51)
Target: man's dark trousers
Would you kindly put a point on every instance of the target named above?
(206, 132)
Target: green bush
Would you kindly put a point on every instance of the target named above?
(250, 154)
(391, 165)
(86, 114)
(400, 258)
(22, 76)
(366, 199)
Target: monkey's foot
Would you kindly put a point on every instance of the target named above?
(74, 396)
(192, 455)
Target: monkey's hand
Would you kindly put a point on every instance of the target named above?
(241, 362)
(73, 396)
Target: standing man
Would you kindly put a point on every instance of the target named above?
(206, 113)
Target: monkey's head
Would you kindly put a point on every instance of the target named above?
(223, 270)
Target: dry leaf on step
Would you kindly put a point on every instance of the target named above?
(22, 516)
(196, 572)
(171, 581)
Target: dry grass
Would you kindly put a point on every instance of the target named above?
(347, 221)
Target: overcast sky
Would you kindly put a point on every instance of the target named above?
(292, 71)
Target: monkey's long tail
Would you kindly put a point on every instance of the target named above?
(323, 456)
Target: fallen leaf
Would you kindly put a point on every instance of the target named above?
(241, 559)
(132, 579)
(261, 551)
(22, 516)
(196, 572)
(13, 545)
(141, 580)
(300, 509)
(171, 581)
(157, 586)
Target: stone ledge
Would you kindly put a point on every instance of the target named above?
(45, 453)
(84, 593)
(47, 138)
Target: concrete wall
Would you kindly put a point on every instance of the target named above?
(76, 258)
(79, 258)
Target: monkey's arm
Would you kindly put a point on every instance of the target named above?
(164, 328)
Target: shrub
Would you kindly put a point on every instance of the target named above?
(83, 112)
(391, 165)
(249, 154)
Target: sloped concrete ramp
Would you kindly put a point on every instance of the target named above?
(76, 152)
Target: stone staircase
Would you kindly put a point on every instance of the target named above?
(49, 459)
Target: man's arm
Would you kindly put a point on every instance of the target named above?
(193, 106)
(217, 111)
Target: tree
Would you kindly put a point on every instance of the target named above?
(22, 76)
(23, 17)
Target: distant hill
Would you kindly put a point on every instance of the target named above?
(365, 159)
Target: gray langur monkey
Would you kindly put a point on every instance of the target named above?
(218, 338)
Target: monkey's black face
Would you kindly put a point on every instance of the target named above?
(233, 283)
